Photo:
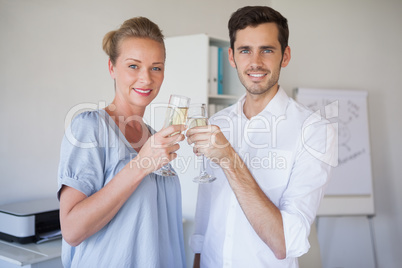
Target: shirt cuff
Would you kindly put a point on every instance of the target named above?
(196, 243)
(296, 235)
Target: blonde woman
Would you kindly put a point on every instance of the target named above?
(114, 211)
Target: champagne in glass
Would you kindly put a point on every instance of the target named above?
(197, 117)
(197, 122)
(176, 114)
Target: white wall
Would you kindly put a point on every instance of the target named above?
(355, 45)
(51, 60)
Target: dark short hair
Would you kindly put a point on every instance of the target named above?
(254, 16)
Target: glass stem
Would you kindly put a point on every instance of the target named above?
(204, 165)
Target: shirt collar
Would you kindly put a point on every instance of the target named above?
(277, 106)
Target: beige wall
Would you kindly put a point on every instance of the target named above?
(51, 60)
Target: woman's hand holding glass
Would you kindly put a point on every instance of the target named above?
(176, 115)
(159, 149)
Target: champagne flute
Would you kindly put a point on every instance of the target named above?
(197, 116)
(176, 114)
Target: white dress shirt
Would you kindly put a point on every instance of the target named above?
(281, 147)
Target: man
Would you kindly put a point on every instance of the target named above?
(259, 211)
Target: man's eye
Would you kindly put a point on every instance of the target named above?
(133, 66)
(267, 51)
(244, 51)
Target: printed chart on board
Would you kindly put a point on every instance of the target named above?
(352, 175)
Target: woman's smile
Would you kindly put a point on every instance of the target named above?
(142, 91)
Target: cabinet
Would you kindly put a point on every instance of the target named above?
(187, 73)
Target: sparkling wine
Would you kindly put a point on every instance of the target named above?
(197, 122)
(176, 116)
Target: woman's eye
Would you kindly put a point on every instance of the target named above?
(156, 69)
(133, 66)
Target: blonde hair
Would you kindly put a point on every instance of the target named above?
(135, 27)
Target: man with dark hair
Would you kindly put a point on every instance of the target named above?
(259, 211)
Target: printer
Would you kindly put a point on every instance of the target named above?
(31, 221)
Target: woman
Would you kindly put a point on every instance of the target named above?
(114, 211)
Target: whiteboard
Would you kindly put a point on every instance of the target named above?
(350, 189)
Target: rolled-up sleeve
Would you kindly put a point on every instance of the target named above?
(309, 178)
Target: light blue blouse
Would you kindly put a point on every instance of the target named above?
(147, 231)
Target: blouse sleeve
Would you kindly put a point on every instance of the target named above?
(82, 155)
